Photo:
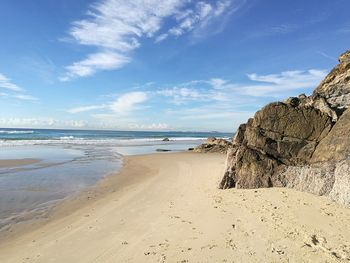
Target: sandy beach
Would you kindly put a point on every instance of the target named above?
(167, 208)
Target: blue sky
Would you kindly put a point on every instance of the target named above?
(161, 64)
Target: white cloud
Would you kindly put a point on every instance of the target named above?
(86, 108)
(128, 102)
(192, 91)
(161, 37)
(41, 123)
(94, 62)
(117, 27)
(224, 92)
(201, 16)
(182, 94)
(25, 97)
(153, 126)
(123, 105)
(217, 83)
(7, 84)
(215, 102)
(275, 85)
(116, 24)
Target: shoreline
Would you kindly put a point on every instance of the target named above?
(110, 183)
(167, 208)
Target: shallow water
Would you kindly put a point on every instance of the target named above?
(30, 190)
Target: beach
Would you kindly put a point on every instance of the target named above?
(167, 208)
(40, 168)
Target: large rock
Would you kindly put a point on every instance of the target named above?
(213, 145)
(302, 143)
(336, 145)
(286, 133)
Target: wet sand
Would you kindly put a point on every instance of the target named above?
(166, 208)
(18, 162)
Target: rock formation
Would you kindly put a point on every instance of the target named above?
(302, 143)
(213, 145)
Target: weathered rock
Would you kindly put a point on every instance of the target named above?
(213, 145)
(336, 145)
(302, 143)
(211, 140)
(335, 88)
(317, 180)
(254, 169)
(341, 187)
(228, 181)
(166, 140)
(321, 104)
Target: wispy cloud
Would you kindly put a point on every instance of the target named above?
(86, 108)
(182, 94)
(16, 92)
(6, 83)
(287, 82)
(25, 97)
(117, 27)
(128, 102)
(324, 54)
(220, 90)
(217, 83)
(122, 105)
(198, 18)
(208, 102)
(94, 62)
(273, 30)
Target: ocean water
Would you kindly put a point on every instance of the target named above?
(64, 162)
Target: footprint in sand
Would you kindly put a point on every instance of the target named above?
(230, 244)
(320, 243)
(277, 251)
(162, 258)
(208, 246)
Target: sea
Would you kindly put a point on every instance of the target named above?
(58, 164)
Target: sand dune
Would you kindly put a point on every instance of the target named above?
(166, 208)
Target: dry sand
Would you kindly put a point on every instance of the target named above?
(166, 208)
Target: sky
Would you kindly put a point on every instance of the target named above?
(179, 65)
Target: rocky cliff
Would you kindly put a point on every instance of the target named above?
(302, 143)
